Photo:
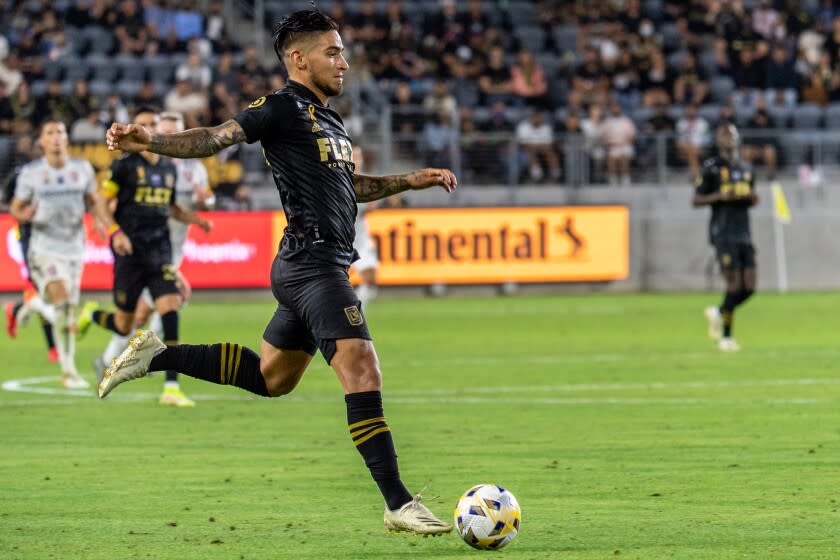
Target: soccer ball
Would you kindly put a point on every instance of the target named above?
(487, 517)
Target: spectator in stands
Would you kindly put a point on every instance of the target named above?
(146, 96)
(619, 135)
(528, 80)
(24, 107)
(7, 115)
(82, 101)
(215, 25)
(589, 84)
(439, 100)
(495, 82)
(657, 82)
(53, 104)
(659, 124)
(130, 28)
(222, 105)
(368, 24)
(233, 197)
(750, 75)
(195, 71)
(758, 144)
(189, 24)
(690, 84)
(723, 62)
(113, 110)
(87, 130)
(439, 138)
(624, 81)
(405, 120)
(396, 23)
(535, 137)
(780, 75)
(251, 66)
(10, 73)
(592, 127)
(692, 138)
(183, 99)
(225, 72)
(765, 19)
(476, 152)
(818, 85)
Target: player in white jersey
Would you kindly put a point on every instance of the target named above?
(52, 194)
(368, 262)
(192, 192)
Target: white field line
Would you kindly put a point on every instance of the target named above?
(470, 395)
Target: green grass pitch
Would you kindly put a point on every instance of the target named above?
(617, 424)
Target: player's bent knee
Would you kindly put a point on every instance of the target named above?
(280, 382)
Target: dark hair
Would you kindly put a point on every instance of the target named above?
(146, 109)
(296, 25)
(45, 122)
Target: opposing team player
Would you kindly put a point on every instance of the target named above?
(192, 192)
(52, 194)
(310, 156)
(144, 186)
(728, 186)
(368, 262)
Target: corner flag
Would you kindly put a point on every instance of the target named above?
(781, 210)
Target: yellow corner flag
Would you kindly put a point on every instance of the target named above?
(780, 206)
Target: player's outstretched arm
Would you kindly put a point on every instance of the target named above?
(192, 143)
(373, 188)
(187, 217)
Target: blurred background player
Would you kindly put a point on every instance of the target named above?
(52, 194)
(192, 192)
(728, 186)
(144, 186)
(368, 262)
(18, 312)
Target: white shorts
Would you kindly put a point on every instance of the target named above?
(45, 269)
(621, 151)
(368, 259)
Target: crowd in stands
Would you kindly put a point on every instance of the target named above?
(501, 80)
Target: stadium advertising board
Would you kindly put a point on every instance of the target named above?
(416, 246)
(495, 245)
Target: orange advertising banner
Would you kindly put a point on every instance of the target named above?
(495, 245)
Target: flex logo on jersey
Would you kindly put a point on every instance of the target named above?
(340, 149)
(315, 126)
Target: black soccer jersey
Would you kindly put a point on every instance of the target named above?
(145, 193)
(730, 221)
(310, 156)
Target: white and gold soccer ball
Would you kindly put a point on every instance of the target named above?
(487, 517)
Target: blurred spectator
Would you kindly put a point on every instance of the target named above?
(816, 88)
(225, 72)
(147, 96)
(758, 144)
(495, 81)
(222, 104)
(535, 137)
(251, 67)
(130, 28)
(7, 115)
(593, 140)
(81, 101)
(10, 73)
(113, 110)
(189, 24)
(87, 129)
(405, 120)
(215, 31)
(619, 135)
(53, 104)
(624, 81)
(477, 152)
(690, 84)
(353, 122)
(24, 107)
(722, 61)
(233, 197)
(750, 77)
(660, 123)
(765, 19)
(528, 79)
(439, 137)
(692, 138)
(439, 100)
(657, 82)
(780, 75)
(368, 25)
(195, 71)
(726, 114)
(589, 83)
(183, 99)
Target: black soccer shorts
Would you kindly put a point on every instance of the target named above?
(140, 270)
(316, 306)
(735, 255)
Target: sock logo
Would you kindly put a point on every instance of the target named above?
(354, 316)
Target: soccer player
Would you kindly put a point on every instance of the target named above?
(728, 186)
(310, 156)
(144, 186)
(368, 261)
(52, 195)
(18, 312)
(193, 193)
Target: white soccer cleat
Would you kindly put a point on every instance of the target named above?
(132, 363)
(416, 518)
(728, 345)
(72, 380)
(715, 322)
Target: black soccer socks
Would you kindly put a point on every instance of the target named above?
(223, 364)
(372, 437)
(169, 321)
(105, 319)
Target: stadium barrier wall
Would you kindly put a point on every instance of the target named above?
(416, 247)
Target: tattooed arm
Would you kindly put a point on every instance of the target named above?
(373, 188)
(193, 143)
